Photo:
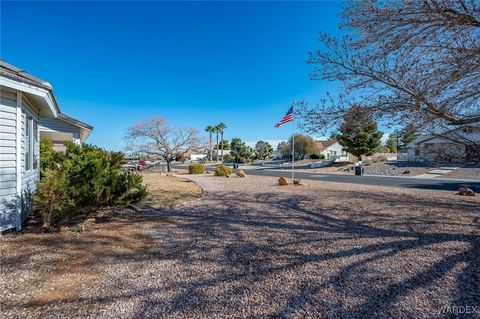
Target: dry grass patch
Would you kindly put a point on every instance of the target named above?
(166, 191)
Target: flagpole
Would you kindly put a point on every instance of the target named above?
(293, 141)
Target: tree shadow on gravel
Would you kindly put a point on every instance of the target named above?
(251, 238)
(396, 234)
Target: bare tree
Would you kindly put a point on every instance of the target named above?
(409, 61)
(154, 136)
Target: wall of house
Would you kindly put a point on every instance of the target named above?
(8, 151)
(17, 183)
(335, 152)
(30, 176)
(59, 126)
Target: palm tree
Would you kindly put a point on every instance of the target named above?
(210, 129)
(216, 129)
(221, 127)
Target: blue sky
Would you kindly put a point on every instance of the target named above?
(194, 63)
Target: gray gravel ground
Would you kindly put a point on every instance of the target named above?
(252, 249)
(393, 169)
(472, 173)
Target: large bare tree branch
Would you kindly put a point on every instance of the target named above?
(409, 61)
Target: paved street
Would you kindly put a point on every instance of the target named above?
(406, 182)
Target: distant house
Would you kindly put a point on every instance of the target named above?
(333, 151)
(194, 156)
(197, 157)
(446, 148)
(28, 111)
(219, 152)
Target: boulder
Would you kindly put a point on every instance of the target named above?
(282, 181)
(465, 191)
(406, 172)
(241, 173)
(299, 182)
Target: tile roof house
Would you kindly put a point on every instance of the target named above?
(28, 111)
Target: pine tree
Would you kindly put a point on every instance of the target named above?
(359, 133)
(391, 142)
(408, 134)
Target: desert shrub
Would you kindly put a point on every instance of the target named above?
(196, 168)
(367, 162)
(53, 196)
(117, 159)
(49, 158)
(87, 176)
(222, 170)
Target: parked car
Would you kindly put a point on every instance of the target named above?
(131, 166)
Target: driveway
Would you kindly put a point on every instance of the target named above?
(249, 248)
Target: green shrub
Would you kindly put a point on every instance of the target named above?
(180, 158)
(196, 168)
(84, 176)
(222, 170)
(49, 159)
(317, 156)
(52, 196)
(227, 158)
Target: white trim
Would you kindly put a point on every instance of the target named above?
(45, 94)
(19, 155)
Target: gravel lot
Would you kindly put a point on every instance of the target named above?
(249, 248)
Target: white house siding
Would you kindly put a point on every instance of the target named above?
(336, 153)
(15, 202)
(29, 177)
(8, 149)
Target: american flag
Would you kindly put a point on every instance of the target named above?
(287, 118)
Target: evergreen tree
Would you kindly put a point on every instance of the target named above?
(241, 152)
(391, 142)
(224, 143)
(407, 135)
(359, 133)
(263, 150)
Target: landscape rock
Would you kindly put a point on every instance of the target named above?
(299, 182)
(465, 191)
(241, 173)
(406, 172)
(282, 181)
(62, 229)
